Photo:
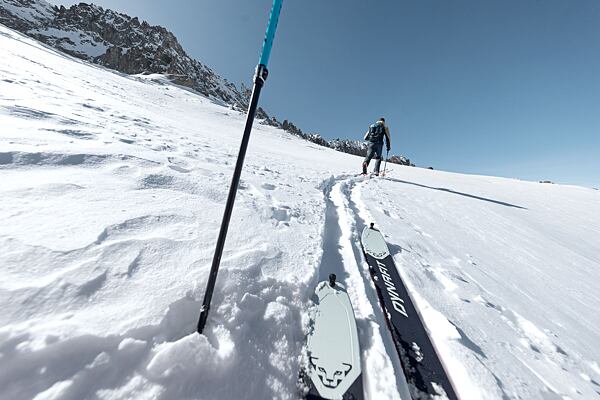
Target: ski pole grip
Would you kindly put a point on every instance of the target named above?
(270, 35)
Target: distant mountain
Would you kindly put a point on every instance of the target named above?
(120, 42)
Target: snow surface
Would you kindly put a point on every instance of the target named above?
(112, 192)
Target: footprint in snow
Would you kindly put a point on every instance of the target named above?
(157, 181)
(421, 232)
(459, 278)
(163, 147)
(125, 170)
(91, 107)
(279, 214)
(74, 133)
(144, 226)
(93, 285)
(390, 214)
(179, 169)
(441, 276)
(470, 259)
(178, 165)
(126, 141)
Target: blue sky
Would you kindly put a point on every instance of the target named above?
(507, 88)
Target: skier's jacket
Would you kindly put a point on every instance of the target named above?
(377, 132)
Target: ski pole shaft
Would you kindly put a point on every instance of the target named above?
(259, 80)
(214, 270)
(387, 155)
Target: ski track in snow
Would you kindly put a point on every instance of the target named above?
(112, 193)
(382, 376)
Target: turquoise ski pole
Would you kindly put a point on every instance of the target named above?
(259, 80)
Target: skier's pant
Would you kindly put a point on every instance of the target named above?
(374, 151)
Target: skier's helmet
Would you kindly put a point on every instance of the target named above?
(382, 119)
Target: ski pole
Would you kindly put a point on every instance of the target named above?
(387, 155)
(259, 80)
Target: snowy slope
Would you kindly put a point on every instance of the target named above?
(117, 41)
(112, 191)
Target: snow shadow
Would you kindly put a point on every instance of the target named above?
(502, 203)
(331, 260)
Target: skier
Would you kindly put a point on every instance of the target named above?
(375, 136)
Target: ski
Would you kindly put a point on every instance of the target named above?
(369, 175)
(420, 362)
(332, 369)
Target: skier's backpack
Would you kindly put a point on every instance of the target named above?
(376, 132)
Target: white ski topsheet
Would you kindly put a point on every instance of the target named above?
(374, 244)
(112, 191)
(332, 343)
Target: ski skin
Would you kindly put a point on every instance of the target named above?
(382, 174)
(407, 329)
(371, 175)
